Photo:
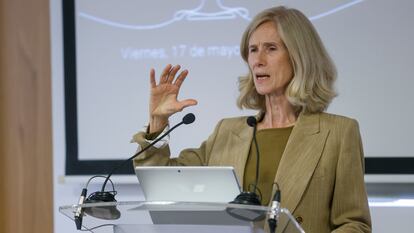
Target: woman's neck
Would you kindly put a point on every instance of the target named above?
(279, 113)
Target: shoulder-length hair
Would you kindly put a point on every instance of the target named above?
(312, 86)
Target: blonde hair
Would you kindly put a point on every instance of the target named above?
(312, 86)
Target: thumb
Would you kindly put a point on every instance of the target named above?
(188, 103)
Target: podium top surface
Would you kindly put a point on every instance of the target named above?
(112, 215)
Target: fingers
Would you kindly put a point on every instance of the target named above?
(165, 73)
(152, 78)
(172, 73)
(168, 75)
(180, 79)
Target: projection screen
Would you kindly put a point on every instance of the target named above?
(110, 46)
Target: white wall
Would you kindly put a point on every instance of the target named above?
(67, 190)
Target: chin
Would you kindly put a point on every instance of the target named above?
(263, 92)
(269, 91)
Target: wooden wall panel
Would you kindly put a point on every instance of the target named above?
(25, 122)
(2, 113)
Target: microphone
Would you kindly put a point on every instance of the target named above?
(251, 198)
(274, 210)
(252, 122)
(188, 119)
(79, 211)
(110, 212)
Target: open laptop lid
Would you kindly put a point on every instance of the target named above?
(188, 184)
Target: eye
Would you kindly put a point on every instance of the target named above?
(272, 48)
(252, 49)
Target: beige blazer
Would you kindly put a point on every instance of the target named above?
(320, 175)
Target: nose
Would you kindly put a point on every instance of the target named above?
(258, 59)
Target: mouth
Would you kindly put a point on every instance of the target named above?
(261, 76)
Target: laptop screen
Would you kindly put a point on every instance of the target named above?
(188, 184)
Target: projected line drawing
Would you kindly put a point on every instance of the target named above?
(334, 10)
(215, 11)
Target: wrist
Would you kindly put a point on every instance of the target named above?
(157, 124)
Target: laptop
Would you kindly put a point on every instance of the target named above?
(188, 184)
(191, 184)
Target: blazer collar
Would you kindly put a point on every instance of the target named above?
(300, 158)
(240, 151)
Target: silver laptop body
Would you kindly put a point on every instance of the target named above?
(188, 184)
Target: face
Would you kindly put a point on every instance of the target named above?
(269, 60)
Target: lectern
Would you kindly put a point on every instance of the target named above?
(174, 217)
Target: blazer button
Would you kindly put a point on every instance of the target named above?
(299, 219)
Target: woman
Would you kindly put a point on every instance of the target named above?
(315, 157)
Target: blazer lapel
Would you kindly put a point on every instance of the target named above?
(300, 158)
(240, 142)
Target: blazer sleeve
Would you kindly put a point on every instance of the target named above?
(162, 156)
(350, 211)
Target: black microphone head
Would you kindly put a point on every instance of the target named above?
(109, 212)
(251, 121)
(188, 119)
(246, 198)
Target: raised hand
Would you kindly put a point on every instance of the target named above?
(163, 98)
